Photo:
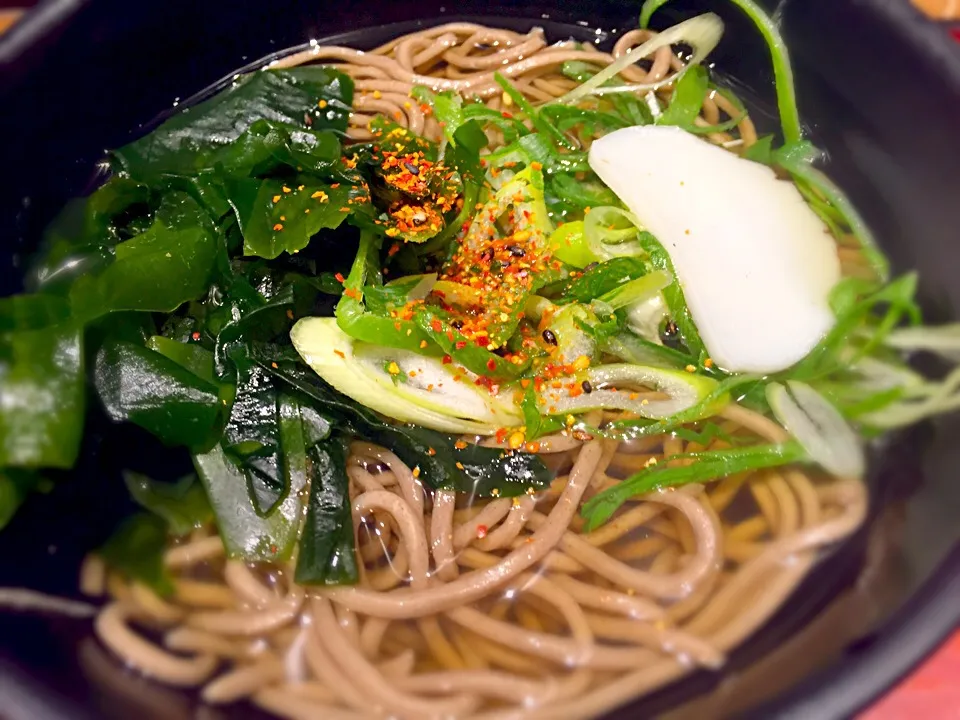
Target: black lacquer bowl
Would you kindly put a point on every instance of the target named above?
(879, 88)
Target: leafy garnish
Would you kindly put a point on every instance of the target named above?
(706, 466)
(782, 70)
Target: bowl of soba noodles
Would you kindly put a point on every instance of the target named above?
(452, 361)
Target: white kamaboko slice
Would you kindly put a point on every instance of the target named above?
(755, 263)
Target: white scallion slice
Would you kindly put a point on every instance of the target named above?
(944, 340)
(400, 384)
(631, 382)
(818, 427)
(702, 33)
(605, 239)
(920, 401)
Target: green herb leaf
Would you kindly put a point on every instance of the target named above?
(706, 466)
(276, 217)
(353, 317)
(581, 193)
(435, 325)
(687, 99)
(537, 425)
(604, 277)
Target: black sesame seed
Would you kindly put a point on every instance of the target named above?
(516, 250)
(458, 324)
(590, 267)
(413, 169)
(587, 387)
(549, 337)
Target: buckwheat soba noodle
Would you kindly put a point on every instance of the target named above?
(590, 403)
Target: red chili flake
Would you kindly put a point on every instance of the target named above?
(195, 335)
(501, 434)
(483, 341)
(507, 115)
(436, 325)
(340, 354)
(481, 531)
(431, 452)
(461, 344)
(394, 249)
(447, 360)
(340, 278)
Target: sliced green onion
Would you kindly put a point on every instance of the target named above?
(567, 326)
(685, 390)
(632, 348)
(400, 384)
(702, 32)
(782, 71)
(818, 426)
(879, 375)
(944, 340)
(541, 123)
(706, 466)
(636, 291)
(568, 243)
(803, 169)
(918, 403)
(605, 240)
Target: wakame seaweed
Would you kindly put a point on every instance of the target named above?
(173, 287)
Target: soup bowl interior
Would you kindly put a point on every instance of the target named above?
(878, 91)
